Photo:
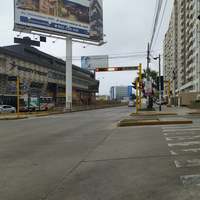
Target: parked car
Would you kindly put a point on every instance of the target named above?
(163, 102)
(131, 103)
(7, 109)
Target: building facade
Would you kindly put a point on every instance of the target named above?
(181, 47)
(42, 74)
(120, 92)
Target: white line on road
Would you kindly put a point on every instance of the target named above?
(181, 151)
(181, 133)
(181, 127)
(187, 163)
(173, 153)
(194, 150)
(191, 179)
(184, 144)
(181, 130)
(183, 138)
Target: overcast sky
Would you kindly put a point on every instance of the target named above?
(128, 27)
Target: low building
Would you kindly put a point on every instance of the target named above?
(42, 74)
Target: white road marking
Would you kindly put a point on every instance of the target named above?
(194, 150)
(181, 127)
(187, 163)
(191, 179)
(181, 130)
(184, 144)
(181, 133)
(181, 151)
(173, 153)
(183, 138)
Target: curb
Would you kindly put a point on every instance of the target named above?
(13, 118)
(153, 114)
(193, 113)
(43, 114)
(151, 123)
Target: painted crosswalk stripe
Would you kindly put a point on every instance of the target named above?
(181, 151)
(184, 144)
(173, 153)
(181, 138)
(181, 127)
(181, 130)
(191, 179)
(182, 133)
(187, 163)
(194, 150)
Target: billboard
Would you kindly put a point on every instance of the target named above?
(93, 62)
(81, 19)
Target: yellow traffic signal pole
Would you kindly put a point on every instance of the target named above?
(137, 96)
(140, 88)
(18, 93)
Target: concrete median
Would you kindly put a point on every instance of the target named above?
(152, 122)
(153, 113)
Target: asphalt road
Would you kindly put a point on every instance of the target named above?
(84, 156)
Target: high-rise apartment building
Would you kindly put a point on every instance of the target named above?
(181, 47)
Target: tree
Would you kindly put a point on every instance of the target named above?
(152, 74)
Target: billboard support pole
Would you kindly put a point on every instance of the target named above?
(68, 74)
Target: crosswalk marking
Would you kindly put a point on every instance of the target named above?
(191, 179)
(180, 130)
(184, 144)
(182, 151)
(173, 153)
(180, 127)
(184, 140)
(195, 150)
(187, 163)
(182, 133)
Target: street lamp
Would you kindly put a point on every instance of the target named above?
(160, 98)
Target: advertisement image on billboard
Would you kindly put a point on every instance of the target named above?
(93, 62)
(78, 18)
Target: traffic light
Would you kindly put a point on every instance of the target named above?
(134, 85)
(119, 69)
(101, 69)
(141, 86)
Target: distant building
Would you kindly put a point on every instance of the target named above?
(120, 92)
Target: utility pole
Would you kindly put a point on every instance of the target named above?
(148, 70)
(160, 95)
(148, 60)
(18, 93)
(140, 86)
(137, 100)
(160, 89)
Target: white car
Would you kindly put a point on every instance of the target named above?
(131, 103)
(7, 109)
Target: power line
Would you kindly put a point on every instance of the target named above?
(156, 20)
(161, 22)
